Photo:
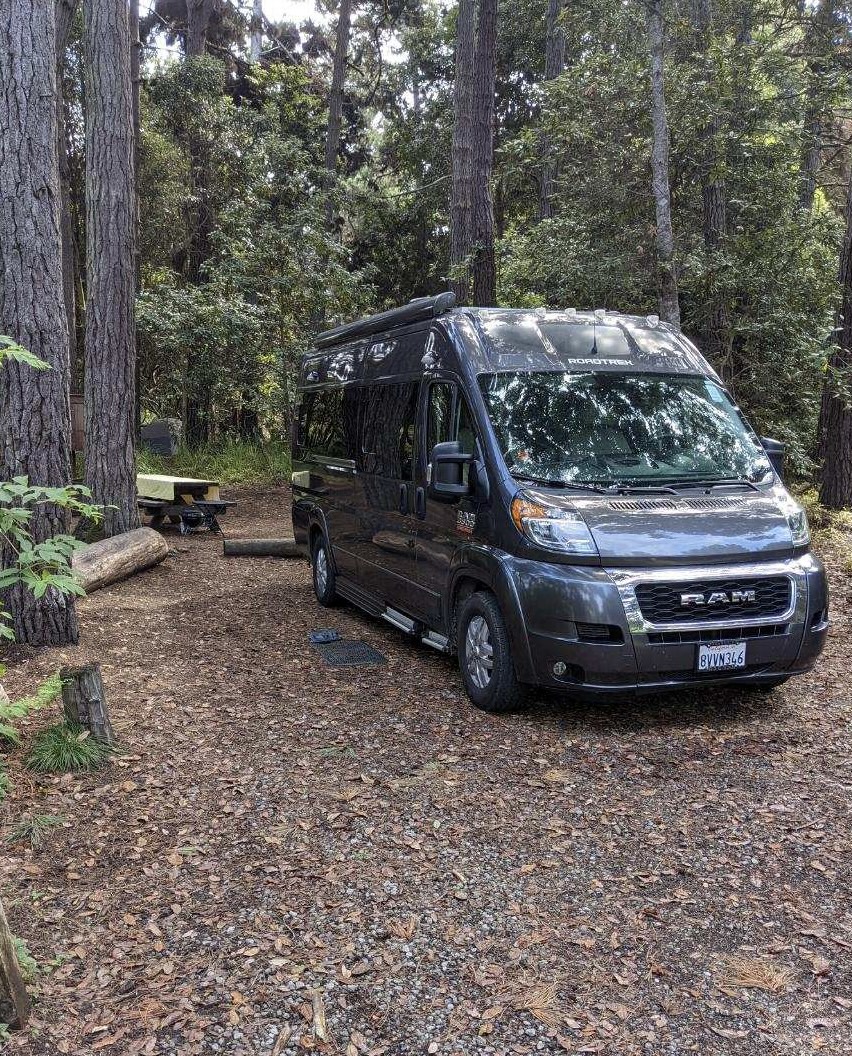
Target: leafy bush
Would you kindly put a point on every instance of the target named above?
(67, 748)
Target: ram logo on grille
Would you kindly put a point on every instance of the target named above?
(719, 597)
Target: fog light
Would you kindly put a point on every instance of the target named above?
(559, 668)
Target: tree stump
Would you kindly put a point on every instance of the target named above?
(10, 975)
(84, 701)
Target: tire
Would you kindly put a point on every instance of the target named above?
(483, 640)
(324, 577)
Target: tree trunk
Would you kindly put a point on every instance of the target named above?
(554, 64)
(10, 974)
(669, 302)
(110, 392)
(717, 340)
(256, 42)
(462, 153)
(484, 271)
(65, 11)
(84, 701)
(835, 422)
(35, 413)
(819, 48)
(198, 14)
(335, 103)
(135, 81)
(260, 548)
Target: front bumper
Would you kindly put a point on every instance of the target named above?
(561, 605)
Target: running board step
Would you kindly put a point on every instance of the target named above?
(437, 641)
(404, 623)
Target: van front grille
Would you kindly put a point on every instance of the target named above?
(720, 599)
(723, 634)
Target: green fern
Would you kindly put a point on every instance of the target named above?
(13, 710)
(67, 748)
(5, 783)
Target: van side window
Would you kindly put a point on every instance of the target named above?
(328, 422)
(465, 429)
(439, 413)
(388, 430)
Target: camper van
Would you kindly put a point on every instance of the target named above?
(563, 499)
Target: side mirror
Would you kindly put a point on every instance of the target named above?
(446, 482)
(775, 450)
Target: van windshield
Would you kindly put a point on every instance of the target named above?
(609, 428)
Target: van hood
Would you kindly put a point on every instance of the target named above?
(687, 528)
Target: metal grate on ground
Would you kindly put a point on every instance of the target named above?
(349, 654)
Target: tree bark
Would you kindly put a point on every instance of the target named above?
(256, 42)
(335, 103)
(554, 64)
(135, 81)
(198, 15)
(484, 270)
(84, 701)
(835, 424)
(65, 11)
(110, 391)
(111, 560)
(10, 974)
(35, 413)
(717, 339)
(462, 153)
(668, 292)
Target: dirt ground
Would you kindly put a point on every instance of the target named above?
(290, 857)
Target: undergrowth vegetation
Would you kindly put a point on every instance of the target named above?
(67, 748)
(227, 461)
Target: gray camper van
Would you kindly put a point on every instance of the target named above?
(561, 498)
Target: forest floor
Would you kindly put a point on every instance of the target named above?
(288, 852)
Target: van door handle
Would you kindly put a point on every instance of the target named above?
(403, 498)
(420, 502)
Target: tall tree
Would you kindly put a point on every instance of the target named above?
(718, 344)
(819, 65)
(835, 424)
(35, 421)
(669, 302)
(484, 270)
(462, 151)
(110, 401)
(256, 30)
(198, 15)
(471, 204)
(65, 11)
(335, 100)
(554, 63)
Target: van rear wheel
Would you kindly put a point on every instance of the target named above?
(323, 574)
(485, 656)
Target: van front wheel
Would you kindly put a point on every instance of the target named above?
(323, 573)
(485, 656)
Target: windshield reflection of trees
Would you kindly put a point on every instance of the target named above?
(603, 427)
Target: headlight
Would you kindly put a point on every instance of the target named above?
(552, 525)
(797, 520)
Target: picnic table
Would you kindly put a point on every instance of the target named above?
(186, 502)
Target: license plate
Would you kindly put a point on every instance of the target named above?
(726, 656)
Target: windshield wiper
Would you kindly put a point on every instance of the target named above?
(562, 483)
(715, 482)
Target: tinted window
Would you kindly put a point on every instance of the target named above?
(388, 430)
(328, 423)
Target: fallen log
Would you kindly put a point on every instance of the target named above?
(11, 979)
(118, 557)
(84, 701)
(261, 548)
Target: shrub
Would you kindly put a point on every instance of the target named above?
(67, 748)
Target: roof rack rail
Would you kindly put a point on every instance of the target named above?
(419, 309)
